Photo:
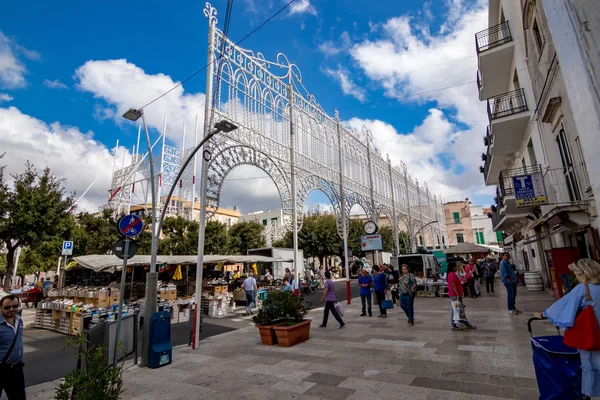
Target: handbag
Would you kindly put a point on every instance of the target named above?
(387, 304)
(585, 333)
(459, 311)
(339, 308)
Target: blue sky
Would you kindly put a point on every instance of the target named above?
(404, 69)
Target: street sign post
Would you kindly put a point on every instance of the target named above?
(125, 249)
(67, 250)
(128, 226)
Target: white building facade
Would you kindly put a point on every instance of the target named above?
(536, 74)
(483, 229)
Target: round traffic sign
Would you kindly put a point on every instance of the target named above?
(130, 225)
(119, 249)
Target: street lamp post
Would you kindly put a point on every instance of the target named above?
(152, 277)
(423, 227)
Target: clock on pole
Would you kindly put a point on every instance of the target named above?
(370, 227)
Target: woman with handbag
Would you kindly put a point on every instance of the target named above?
(456, 293)
(579, 313)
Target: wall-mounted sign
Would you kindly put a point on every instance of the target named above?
(371, 242)
(529, 190)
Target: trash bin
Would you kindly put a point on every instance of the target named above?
(160, 351)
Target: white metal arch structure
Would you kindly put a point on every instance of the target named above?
(285, 132)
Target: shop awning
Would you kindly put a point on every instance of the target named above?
(466, 248)
(111, 263)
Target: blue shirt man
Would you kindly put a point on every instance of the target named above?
(12, 380)
(507, 272)
(380, 282)
(365, 280)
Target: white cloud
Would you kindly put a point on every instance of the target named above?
(12, 70)
(342, 76)
(302, 7)
(54, 84)
(330, 48)
(68, 152)
(5, 97)
(416, 66)
(124, 85)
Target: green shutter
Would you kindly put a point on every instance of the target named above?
(499, 237)
(264, 222)
(460, 238)
(456, 217)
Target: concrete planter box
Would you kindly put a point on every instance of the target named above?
(267, 334)
(288, 336)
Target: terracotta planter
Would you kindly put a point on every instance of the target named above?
(267, 334)
(288, 336)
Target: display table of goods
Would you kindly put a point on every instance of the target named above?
(179, 309)
(217, 305)
(66, 309)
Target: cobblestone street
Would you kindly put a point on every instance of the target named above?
(369, 358)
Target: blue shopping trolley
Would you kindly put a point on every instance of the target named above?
(557, 367)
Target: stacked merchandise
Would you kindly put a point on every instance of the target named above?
(216, 305)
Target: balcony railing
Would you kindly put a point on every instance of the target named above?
(566, 186)
(506, 104)
(496, 218)
(479, 81)
(492, 37)
(506, 187)
(486, 164)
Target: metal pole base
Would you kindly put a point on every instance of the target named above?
(150, 308)
(348, 291)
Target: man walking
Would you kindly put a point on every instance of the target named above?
(365, 282)
(489, 273)
(251, 288)
(408, 290)
(509, 279)
(380, 288)
(12, 379)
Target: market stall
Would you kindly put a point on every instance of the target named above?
(91, 291)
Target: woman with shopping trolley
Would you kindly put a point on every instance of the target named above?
(572, 312)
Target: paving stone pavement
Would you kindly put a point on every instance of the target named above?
(370, 358)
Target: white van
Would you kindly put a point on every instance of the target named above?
(418, 264)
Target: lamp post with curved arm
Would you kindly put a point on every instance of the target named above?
(152, 277)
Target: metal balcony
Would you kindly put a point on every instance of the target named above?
(493, 37)
(506, 104)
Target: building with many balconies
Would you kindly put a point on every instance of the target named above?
(536, 75)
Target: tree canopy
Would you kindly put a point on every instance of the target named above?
(246, 235)
(32, 212)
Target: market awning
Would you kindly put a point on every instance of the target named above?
(466, 248)
(111, 263)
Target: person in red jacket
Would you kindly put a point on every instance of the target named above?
(455, 292)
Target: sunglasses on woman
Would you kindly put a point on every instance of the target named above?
(14, 307)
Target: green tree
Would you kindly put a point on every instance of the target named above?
(319, 237)
(355, 231)
(216, 238)
(95, 234)
(388, 238)
(244, 236)
(31, 212)
(179, 237)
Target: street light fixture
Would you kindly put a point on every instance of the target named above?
(152, 277)
(423, 227)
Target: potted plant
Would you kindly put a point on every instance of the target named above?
(265, 320)
(281, 319)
